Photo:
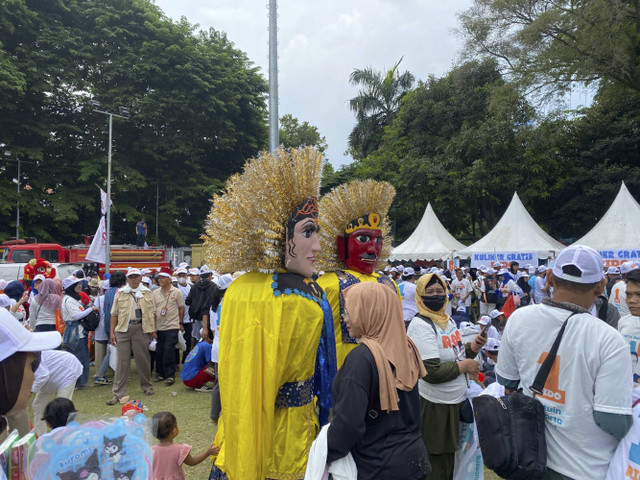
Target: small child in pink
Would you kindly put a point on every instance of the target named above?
(168, 457)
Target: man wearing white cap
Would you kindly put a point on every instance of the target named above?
(169, 311)
(587, 396)
(492, 332)
(181, 274)
(408, 295)
(132, 327)
(619, 291)
(461, 288)
(613, 276)
(204, 296)
(19, 359)
(629, 325)
(488, 291)
(541, 289)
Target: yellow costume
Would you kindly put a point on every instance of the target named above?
(348, 207)
(275, 325)
(333, 283)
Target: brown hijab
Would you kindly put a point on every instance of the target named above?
(375, 308)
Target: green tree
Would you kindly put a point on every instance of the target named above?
(555, 43)
(294, 134)
(375, 105)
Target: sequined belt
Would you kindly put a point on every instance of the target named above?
(295, 394)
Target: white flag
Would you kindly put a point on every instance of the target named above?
(103, 202)
(98, 249)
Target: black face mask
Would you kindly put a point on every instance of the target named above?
(434, 302)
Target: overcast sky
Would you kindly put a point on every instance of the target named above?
(321, 42)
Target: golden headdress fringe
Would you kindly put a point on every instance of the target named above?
(246, 227)
(345, 203)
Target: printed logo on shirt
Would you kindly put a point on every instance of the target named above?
(454, 342)
(551, 390)
(634, 456)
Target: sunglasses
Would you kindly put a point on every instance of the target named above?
(35, 363)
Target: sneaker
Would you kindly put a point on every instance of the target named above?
(102, 381)
(203, 389)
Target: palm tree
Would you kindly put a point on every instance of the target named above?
(375, 105)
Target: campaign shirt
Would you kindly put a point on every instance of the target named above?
(489, 286)
(591, 372)
(619, 298)
(460, 288)
(629, 328)
(195, 361)
(409, 307)
(448, 347)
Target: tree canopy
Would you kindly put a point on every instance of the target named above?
(197, 112)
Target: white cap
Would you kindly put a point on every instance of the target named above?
(184, 265)
(433, 270)
(133, 271)
(461, 309)
(525, 274)
(503, 271)
(38, 277)
(145, 271)
(400, 268)
(224, 281)
(387, 268)
(532, 269)
(180, 270)
(485, 319)
(3, 283)
(542, 268)
(613, 271)
(585, 264)
(492, 345)
(408, 271)
(164, 274)
(482, 267)
(146, 280)
(495, 313)
(174, 279)
(194, 271)
(394, 269)
(627, 266)
(5, 301)
(15, 338)
(67, 282)
(423, 271)
(205, 270)
(464, 325)
(490, 271)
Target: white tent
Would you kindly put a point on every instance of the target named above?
(429, 241)
(516, 233)
(618, 230)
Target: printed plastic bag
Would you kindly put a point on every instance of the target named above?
(468, 462)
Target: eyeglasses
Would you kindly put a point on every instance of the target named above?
(35, 363)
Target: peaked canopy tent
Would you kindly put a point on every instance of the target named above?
(617, 235)
(429, 241)
(516, 237)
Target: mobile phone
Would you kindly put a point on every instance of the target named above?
(484, 330)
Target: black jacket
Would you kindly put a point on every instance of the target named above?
(204, 295)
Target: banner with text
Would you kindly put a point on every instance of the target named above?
(503, 259)
(614, 258)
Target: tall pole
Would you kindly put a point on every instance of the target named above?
(107, 261)
(18, 203)
(157, 206)
(274, 140)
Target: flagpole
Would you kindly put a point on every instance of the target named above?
(107, 256)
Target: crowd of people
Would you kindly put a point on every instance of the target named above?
(310, 338)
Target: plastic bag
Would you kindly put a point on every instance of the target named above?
(113, 357)
(181, 345)
(468, 462)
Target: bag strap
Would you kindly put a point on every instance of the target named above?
(429, 321)
(545, 369)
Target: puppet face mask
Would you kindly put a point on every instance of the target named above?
(361, 245)
(302, 241)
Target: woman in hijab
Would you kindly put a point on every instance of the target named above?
(448, 362)
(75, 337)
(46, 303)
(16, 292)
(375, 393)
(508, 286)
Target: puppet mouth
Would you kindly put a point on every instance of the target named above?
(368, 257)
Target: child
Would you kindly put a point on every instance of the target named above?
(169, 457)
(59, 412)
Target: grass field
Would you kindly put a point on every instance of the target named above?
(191, 408)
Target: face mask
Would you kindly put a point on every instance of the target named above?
(434, 302)
(182, 281)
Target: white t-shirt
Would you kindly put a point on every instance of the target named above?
(185, 289)
(57, 369)
(448, 347)
(627, 454)
(629, 328)
(619, 298)
(591, 372)
(70, 308)
(409, 307)
(460, 288)
(538, 294)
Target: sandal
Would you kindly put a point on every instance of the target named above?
(114, 401)
(149, 392)
(158, 378)
(169, 381)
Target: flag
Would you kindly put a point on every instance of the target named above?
(98, 248)
(509, 307)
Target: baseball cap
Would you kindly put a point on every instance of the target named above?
(484, 320)
(408, 271)
(542, 268)
(224, 281)
(434, 270)
(613, 271)
(578, 264)
(194, 271)
(146, 280)
(67, 282)
(145, 271)
(38, 277)
(495, 313)
(461, 309)
(525, 274)
(15, 338)
(133, 271)
(627, 266)
(205, 270)
(490, 271)
(492, 345)
(184, 265)
(394, 269)
(180, 270)
(503, 271)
